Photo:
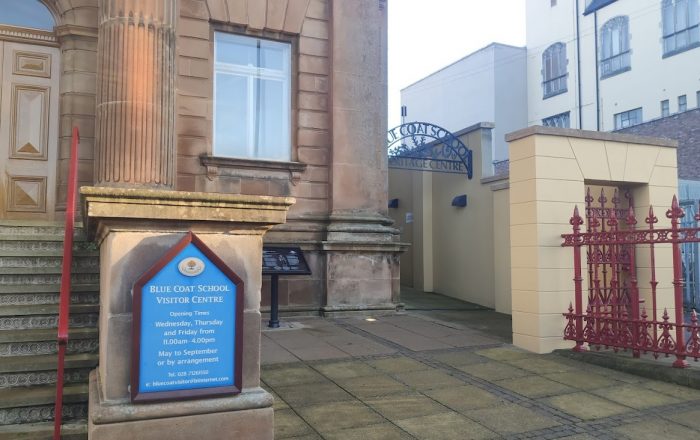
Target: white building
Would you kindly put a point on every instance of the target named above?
(610, 64)
(487, 85)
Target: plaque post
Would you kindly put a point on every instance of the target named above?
(274, 302)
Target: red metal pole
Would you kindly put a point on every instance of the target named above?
(576, 222)
(675, 214)
(64, 299)
(634, 287)
(651, 220)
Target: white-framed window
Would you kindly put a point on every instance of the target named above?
(681, 25)
(682, 103)
(27, 14)
(252, 97)
(665, 108)
(615, 47)
(562, 120)
(554, 72)
(628, 118)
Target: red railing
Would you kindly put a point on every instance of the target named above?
(615, 316)
(64, 300)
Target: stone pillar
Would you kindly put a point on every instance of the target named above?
(135, 93)
(362, 255)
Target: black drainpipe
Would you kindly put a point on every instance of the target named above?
(578, 65)
(597, 76)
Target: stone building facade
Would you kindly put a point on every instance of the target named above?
(139, 80)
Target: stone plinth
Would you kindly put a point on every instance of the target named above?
(134, 228)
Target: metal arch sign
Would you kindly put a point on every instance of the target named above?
(422, 146)
(187, 326)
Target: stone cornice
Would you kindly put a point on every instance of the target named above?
(585, 134)
(74, 30)
(107, 208)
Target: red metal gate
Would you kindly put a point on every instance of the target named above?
(615, 315)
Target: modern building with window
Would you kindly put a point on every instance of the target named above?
(486, 85)
(611, 64)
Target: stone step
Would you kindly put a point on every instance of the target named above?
(46, 309)
(36, 404)
(48, 288)
(44, 279)
(43, 431)
(29, 228)
(43, 342)
(43, 248)
(46, 316)
(41, 395)
(46, 377)
(46, 265)
(50, 298)
(47, 362)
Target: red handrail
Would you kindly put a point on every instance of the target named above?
(64, 300)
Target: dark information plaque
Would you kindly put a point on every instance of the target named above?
(284, 261)
(187, 326)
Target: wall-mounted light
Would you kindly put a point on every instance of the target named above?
(460, 201)
(394, 203)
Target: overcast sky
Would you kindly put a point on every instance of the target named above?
(426, 35)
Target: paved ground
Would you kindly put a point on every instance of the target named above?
(434, 374)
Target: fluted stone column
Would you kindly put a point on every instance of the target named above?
(362, 255)
(135, 143)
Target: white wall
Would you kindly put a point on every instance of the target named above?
(488, 85)
(650, 80)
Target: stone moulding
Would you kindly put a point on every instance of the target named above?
(106, 205)
(213, 164)
(117, 411)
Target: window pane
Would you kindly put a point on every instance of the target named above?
(669, 20)
(272, 128)
(694, 12)
(26, 13)
(231, 121)
(252, 112)
(231, 49)
(681, 14)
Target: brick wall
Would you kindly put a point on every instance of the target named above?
(683, 127)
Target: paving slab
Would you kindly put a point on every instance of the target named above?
(677, 391)
(492, 371)
(384, 431)
(446, 426)
(427, 379)
(464, 398)
(333, 417)
(583, 380)
(690, 419)
(459, 358)
(397, 365)
(535, 386)
(405, 406)
(635, 396)
(655, 429)
(511, 419)
(345, 369)
(505, 353)
(372, 386)
(586, 406)
(301, 395)
(540, 366)
(289, 424)
(294, 374)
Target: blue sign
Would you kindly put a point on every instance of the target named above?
(187, 313)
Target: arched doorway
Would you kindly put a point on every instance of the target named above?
(29, 110)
